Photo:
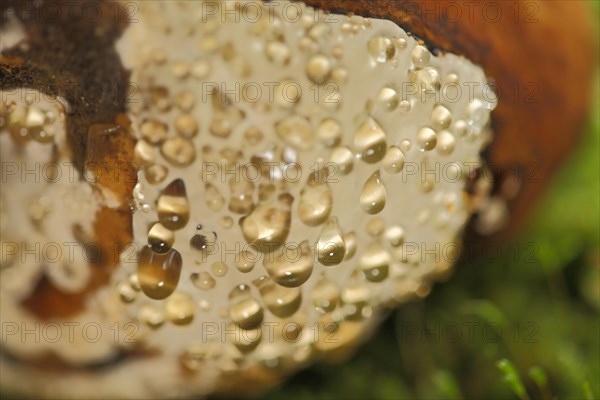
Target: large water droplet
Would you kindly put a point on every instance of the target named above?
(373, 196)
(172, 206)
(281, 301)
(316, 199)
(268, 225)
(158, 274)
(244, 310)
(370, 141)
(331, 248)
(291, 265)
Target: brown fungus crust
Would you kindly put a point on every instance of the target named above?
(541, 58)
(75, 58)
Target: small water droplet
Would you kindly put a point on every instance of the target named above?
(331, 248)
(370, 141)
(156, 173)
(160, 239)
(325, 296)
(295, 131)
(420, 56)
(278, 52)
(426, 139)
(268, 225)
(343, 158)
(316, 199)
(158, 273)
(245, 261)
(373, 196)
(219, 269)
(393, 162)
(441, 117)
(214, 199)
(375, 262)
(240, 200)
(172, 206)
(180, 308)
(290, 266)
(281, 301)
(445, 143)
(318, 68)
(387, 99)
(375, 227)
(201, 243)
(186, 126)
(244, 310)
(178, 151)
(381, 49)
(405, 105)
(203, 280)
(151, 316)
(153, 131)
(395, 235)
(329, 132)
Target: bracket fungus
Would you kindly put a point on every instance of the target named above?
(203, 197)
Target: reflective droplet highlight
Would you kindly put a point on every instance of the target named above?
(291, 265)
(370, 141)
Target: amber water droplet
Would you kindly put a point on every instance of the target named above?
(426, 139)
(318, 68)
(343, 158)
(441, 118)
(219, 269)
(178, 151)
(316, 199)
(160, 239)
(329, 132)
(158, 274)
(388, 99)
(201, 243)
(180, 309)
(156, 173)
(245, 261)
(186, 126)
(153, 131)
(393, 162)
(281, 301)
(291, 265)
(172, 206)
(268, 225)
(395, 235)
(214, 199)
(370, 141)
(295, 131)
(325, 296)
(375, 262)
(203, 280)
(373, 196)
(445, 143)
(240, 200)
(381, 49)
(420, 56)
(244, 310)
(331, 248)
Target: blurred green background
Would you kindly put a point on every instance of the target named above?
(543, 293)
